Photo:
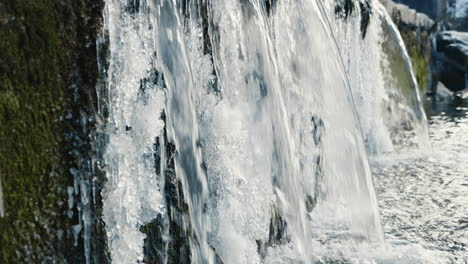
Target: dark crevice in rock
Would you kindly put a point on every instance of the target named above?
(169, 235)
(318, 176)
(132, 6)
(154, 248)
(310, 203)
(278, 234)
(278, 229)
(207, 48)
(157, 156)
(154, 79)
(344, 8)
(317, 129)
(270, 6)
(198, 10)
(206, 23)
(366, 11)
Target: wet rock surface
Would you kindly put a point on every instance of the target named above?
(454, 45)
(345, 8)
(168, 235)
(451, 59)
(48, 76)
(415, 29)
(404, 15)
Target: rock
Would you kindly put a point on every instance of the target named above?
(454, 45)
(443, 93)
(2, 212)
(48, 78)
(450, 59)
(415, 29)
(169, 235)
(366, 10)
(402, 14)
(345, 8)
(463, 94)
(278, 234)
(456, 15)
(432, 8)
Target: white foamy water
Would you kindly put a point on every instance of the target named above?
(132, 194)
(270, 147)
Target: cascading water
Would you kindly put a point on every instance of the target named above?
(232, 133)
(133, 189)
(384, 86)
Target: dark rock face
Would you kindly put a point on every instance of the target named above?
(454, 45)
(415, 30)
(451, 56)
(428, 7)
(418, 45)
(435, 56)
(278, 233)
(270, 6)
(345, 8)
(48, 78)
(440, 11)
(366, 11)
(407, 18)
(169, 235)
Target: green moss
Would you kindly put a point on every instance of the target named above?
(398, 74)
(31, 100)
(38, 52)
(417, 42)
(417, 45)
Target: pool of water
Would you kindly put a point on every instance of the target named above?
(423, 194)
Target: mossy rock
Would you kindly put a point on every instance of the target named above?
(43, 53)
(418, 47)
(398, 73)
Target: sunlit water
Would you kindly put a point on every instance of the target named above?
(423, 195)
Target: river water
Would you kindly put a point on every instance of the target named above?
(423, 194)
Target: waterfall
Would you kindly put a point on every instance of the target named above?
(363, 58)
(233, 135)
(383, 83)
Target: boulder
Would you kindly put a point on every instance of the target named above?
(454, 45)
(450, 59)
(443, 93)
(403, 15)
